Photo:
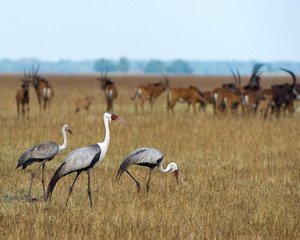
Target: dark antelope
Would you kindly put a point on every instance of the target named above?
(22, 94)
(109, 89)
(284, 95)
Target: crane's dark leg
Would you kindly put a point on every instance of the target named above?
(89, 186)
(33, 175)
(137, 183)
(148, 183)
(43, 180)
(71, 188)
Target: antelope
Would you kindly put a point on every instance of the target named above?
(229, 96)
(22, 94)
(265, 103)
(253, 93)
(209, 100)
(43, 89)
(233, 95)
(190, 95)
(109, 89)
(83, 103)
(149, 92)
(284, 95)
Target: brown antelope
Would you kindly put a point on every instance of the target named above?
(190, 95)
(252, 92)
(233, 95)
(227, 97)
(109, 89)
(43, 89)
(209, 100)
(265, 103)
(83, 103)
(22, 94)
(149, 92)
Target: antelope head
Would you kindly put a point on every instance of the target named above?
(237, 77)
(26, 81)
(36, 78)
(104, 80)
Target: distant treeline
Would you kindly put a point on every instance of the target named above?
(153, 66)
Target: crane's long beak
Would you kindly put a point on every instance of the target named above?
(70, 131)
(120, 120)
(176, 174)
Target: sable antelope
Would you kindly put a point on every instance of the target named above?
(254, 81)
(83, 103)
(284, 95)
(231, 90)
(233, 95)
(84, 159)
(253, 92)
(149, 92)
(43, 89)
(42, 152)
(190, 95)
(147, 157)
(22, 94)
(109, 89)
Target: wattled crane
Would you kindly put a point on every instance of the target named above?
(148, 157)
(84, 159)
(42, 152)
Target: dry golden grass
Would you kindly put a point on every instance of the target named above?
(239, 176)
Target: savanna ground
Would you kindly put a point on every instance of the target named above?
(239, 175)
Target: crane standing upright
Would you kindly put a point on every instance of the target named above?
(42, 152)
(84, 159)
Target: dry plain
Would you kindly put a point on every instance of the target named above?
(239, 176)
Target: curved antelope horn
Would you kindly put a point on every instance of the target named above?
(256, 67)
(234, 76)
(238, 76)
(255, 70)
(292, 74)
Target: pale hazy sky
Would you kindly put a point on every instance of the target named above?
(262, 30)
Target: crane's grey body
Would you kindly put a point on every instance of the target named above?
(38, 153)
(42, 152)
(148, 157)
(80, 159)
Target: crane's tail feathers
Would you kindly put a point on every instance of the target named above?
(120, 172)
(124, 165)
(57, 175)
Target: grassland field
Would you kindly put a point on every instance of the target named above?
(239, 175)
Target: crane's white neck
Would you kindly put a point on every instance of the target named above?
(161, 169)
(63, 147)
(104, 145)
